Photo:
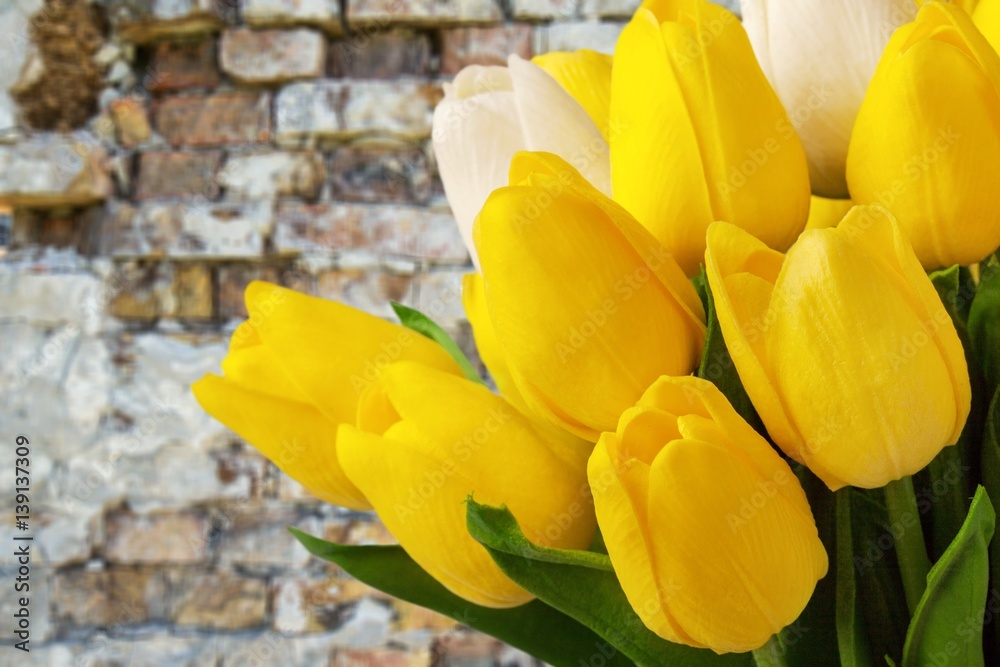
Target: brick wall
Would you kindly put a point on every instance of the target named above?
(156, 156)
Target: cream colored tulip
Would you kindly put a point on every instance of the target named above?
(820, 56)
(490, 113)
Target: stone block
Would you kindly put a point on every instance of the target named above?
(218, 601)
(144, 21)
(165, 175)
(269, 174)
(491, 45)
(183, 66)
(168, 537)
(324, 14)
(423, 12)
(52, 170)
(131, 121)
(381, 174)
(267, 57)
(238, 118)
(372, 53)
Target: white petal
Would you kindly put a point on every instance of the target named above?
(475, 138)
(820, 56)
(554, 122)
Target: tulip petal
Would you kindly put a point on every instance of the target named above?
(741, 273)
(586, 75)
(475, 136)
(292, 435)
(575, 136)
(825, 213)
(764, 566)
(356, 346)
(255, 367)
(657, 169)
(926, 144)
(876, 231)
(889, 392)
(621, 513)
(565, 288)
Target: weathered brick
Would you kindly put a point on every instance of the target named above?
(439, 295)
(215, 120)
(374, 53)
(253, 539)
(272, 56)
(324, 14)
(168, 537)
(233, 281)
(462, 47)
(114, 598)
(620, 9)
(423, 12)
(339, 110)
(148, 295)
(383, 231)
(193, 292)
(381, 658)
(131, 121)
(183, 66)
(468, 650)
(50, 170)
(593, 35)
(271, 174)
(218, 600)
(374, 174)
(367, 290)
(546, 10)
(143, 22)
(167, 174)
(195, 229)
(305, 605)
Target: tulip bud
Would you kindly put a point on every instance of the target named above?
(820, 56)
(490, 113)
(843, 346)
(708, 529)
(295, 370)
(926, 144)
(587, 307)
(425, 440)
(698, 133)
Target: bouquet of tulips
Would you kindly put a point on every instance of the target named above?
(737, 293)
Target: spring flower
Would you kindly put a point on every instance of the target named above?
(707, 527)
(819, 57)
(586, 306)
(698, 133)
(926, 144)
(490, 113)
(296, 370)
(844, 347)
(425, 440)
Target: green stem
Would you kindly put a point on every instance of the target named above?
(771, 654)
(911, 550)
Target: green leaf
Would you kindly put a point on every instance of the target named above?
(412, 318)
(718, 367)
(956, 288)
(534, 627)
(850, 634)
(984, 323)
(589, 594)
(947, 624)
(991, 480)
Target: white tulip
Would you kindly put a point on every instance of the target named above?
(820, 56)
(490, 113)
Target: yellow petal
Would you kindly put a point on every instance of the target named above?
(839, 304)
(332, 352)
(825, 213)
(926, 144)
(706, 138)
(586, 75)
(656, 166)
(761, 573)
(987, 18)
(292, 435)
(579, 312)
(453, 438)
(741, 273)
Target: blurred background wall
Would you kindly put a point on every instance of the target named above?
(155, 156)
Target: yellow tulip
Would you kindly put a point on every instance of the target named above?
(926, 143)
(425, 440)
(586, 75)
(586, 306)
(986, 16)
(707, 527)
(844, 347)
(296, 370)
(699, 134)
